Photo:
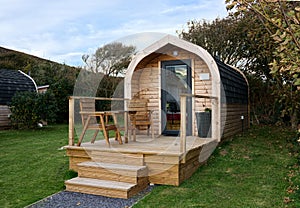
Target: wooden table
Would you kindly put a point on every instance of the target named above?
(102, 125)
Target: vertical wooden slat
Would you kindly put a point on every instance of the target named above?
(126, 134)
(183, 124)
(71, 121)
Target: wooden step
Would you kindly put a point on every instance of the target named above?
(114, 172)
(103, 187)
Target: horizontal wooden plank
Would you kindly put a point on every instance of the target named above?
(157, 179)
(77, 153)
(127, 161)
(162, 167)
(5, 122)
(233, 113)
(105, 175)
(73, 161)
(236, 124)
(161, 159)
(101, 183)
(110, 166)
(112, 175)
(99, 187)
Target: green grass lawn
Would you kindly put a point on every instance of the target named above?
(249, 171)
(33, 165)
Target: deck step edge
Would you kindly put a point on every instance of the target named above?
(112, 166)
(115, 185)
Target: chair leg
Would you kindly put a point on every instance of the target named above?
(119, 138)
(105, 134)
(116, 136)
(94, 137)
(80, 138)
(152, 132)
(83, 131)
(134, 133)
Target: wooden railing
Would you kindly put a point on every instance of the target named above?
(183, 123)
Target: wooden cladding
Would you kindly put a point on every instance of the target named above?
(5, 117)
(234, 119)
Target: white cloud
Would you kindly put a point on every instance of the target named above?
(65, 30)
(183, 8)
(141, 40)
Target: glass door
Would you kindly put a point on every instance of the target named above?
(176, 79)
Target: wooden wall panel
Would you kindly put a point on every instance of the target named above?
(4, 117)
(231, 119)
(146, 81)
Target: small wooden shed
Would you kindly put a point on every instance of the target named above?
(194, 100)
(171, 67)
(12, 81)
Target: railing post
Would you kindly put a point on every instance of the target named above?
(71, 121)
(183, 123)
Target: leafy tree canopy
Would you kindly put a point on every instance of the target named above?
(248, 41)
(112, 59)
(282, 21)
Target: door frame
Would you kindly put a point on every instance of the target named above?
(163, 64)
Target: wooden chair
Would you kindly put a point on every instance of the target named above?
(89, 121)
(140, 117)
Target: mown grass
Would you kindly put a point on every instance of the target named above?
(249, 171)
(33, 165)
(254, 170)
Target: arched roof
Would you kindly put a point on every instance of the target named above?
(185, 45)
(12, 81)
(234, 88)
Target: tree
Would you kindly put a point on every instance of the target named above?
(106, 66)
(229, 40)
(222, 38)
(112, 59)
(281, 19)
(235, 40)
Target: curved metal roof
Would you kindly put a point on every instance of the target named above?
(12, 81)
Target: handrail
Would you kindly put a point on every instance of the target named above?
(98, 98)
(183, 98)
(199, 96)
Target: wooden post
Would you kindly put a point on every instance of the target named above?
(183, 124)
(71, 121)
(126, 133)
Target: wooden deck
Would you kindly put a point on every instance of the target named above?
(145, 144)
(162, 156)
(112, 169)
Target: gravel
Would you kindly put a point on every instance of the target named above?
(65, 199)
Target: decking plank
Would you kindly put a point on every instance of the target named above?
(100, 183)
(113, 166)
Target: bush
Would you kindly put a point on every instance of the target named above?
(47, 107)
(61, 91)
(29, 108)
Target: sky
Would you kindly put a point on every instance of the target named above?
(64, 30)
